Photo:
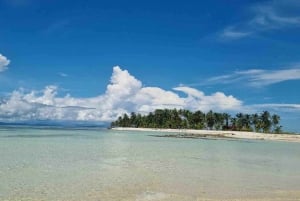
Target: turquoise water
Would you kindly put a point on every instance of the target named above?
(73, 164)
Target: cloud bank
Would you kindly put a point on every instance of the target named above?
(4, 62)
(124, 94)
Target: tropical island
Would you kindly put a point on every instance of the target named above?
(185, 119)
(187, 124)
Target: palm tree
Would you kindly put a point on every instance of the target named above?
(256, 122)
(219, 120)
(133, 119)
(239, 121)
(199, 120)
(275, 121)
(247, 122)
(210, 119)
(226, 117)
(233, 123)
(266, 122)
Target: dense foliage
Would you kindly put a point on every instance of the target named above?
(185, 119)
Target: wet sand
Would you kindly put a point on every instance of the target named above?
(213, 134)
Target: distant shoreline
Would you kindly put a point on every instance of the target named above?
(190, 133)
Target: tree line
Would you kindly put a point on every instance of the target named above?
(185, 119)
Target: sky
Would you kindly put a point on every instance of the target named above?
(94, 60)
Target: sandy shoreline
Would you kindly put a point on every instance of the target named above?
(190, 133)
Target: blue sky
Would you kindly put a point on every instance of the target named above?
(246, 50)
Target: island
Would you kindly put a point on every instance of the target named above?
(211, 125)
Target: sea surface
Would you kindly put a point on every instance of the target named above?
(98, 164)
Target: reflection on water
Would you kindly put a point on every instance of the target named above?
(66, 164)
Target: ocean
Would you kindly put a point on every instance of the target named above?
(77, 164)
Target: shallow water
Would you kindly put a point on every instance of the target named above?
(73, 164)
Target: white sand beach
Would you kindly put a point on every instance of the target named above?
(220, 134)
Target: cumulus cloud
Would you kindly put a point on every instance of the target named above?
(124, 94)
(218, 101)
(4, 62)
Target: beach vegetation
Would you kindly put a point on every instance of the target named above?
(185, 119)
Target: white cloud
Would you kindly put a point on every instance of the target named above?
(124, 94)
(63, 74)
(4, 62)
(282, 106)
(271, 15)
(258, 77)
(218, 101)
(231, 33)
(265, 17)
(271, 77)
(150, 98)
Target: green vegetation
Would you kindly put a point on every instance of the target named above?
(185, 119)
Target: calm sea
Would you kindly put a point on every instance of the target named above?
(98, 164)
